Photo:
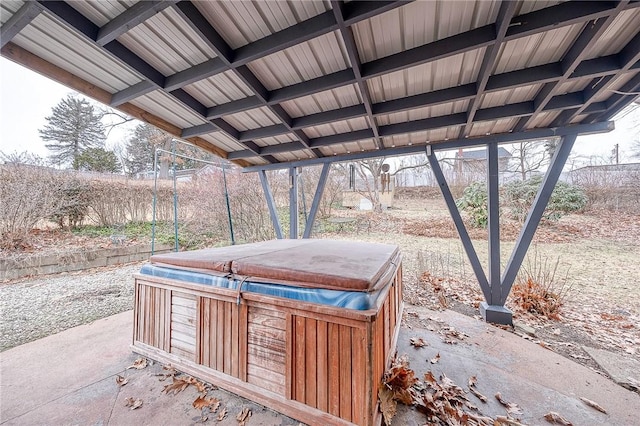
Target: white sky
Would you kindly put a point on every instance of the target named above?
(26, 98)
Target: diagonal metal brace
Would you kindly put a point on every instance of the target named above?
(457, 220)
(535, 214)
(268, 195)
(316, 200)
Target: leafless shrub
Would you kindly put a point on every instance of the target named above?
(538, 288)
(333, 190)
(117, 202)
(29, 195)
(203, 207)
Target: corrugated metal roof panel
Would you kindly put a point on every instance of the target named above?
(219, 89)
(241, 22)
(483, 128)
(322, 55)
(168, 108)
(167, 43)
(427, 77)
(537, 49)
(8, 8)
(573, 86)
(419, 23)
(337, 127)
(545, 119)
(275, 140)
(619, 33)
(100, 12)
(221, 140)
(614, 86)
(252, 119)
(324, 101)
(531, 5)
(511, 96)
(75, 54)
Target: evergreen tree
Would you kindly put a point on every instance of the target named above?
(141, 148)
(73, 126)
(97, 160)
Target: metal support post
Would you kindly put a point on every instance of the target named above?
(316, 200)
(535, 214)
(268, 195)
(493, 201)
(492, 310)
(457, 220)
(293, 203)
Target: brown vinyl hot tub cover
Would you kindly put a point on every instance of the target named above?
(334, 264)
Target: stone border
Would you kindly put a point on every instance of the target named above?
(50, 264)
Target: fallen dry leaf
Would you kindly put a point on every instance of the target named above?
(200, 386)
(472, 381)
(202, 401)
(512, 407)
(506, 421)
(243, 416)
(480, 396)
(388, 406)
(121, 381)
(139, 364)
(222, 414)
(178, 385)
(553, 417)
(133, 403)
(417, 342)
(170, 372)
(593, 404)
(435, 359)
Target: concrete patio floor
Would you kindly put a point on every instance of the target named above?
(69, 378)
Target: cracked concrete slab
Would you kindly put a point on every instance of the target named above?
(623, 370)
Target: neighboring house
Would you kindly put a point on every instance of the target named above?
(471, 161)
(618, 175)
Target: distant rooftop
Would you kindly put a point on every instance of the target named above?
(481, 154)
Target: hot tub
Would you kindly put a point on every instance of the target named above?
(305, 327)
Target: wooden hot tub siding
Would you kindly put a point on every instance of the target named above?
(318, 364)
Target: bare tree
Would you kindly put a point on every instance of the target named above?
(529, 156)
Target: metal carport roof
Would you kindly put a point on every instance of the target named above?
(271, 82)
(275, 84)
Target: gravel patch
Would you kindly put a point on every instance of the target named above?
(38, 307)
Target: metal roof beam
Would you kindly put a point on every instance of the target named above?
(240, 105)
(628, 59)
(18, 21)
(452, 94)
(352, 51)
(592, 31)
(439, 49)
(325, 117)
(566, 13)
(133, 16)
(207, 33)
(522, 109)
(356, 11)
(316, 85)
(132, 92)
(505, 14)
(288, 37)
(282, 148)
(204, 29)
(600, 127)
(196, 73)
(262, 132)
(201, 129)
